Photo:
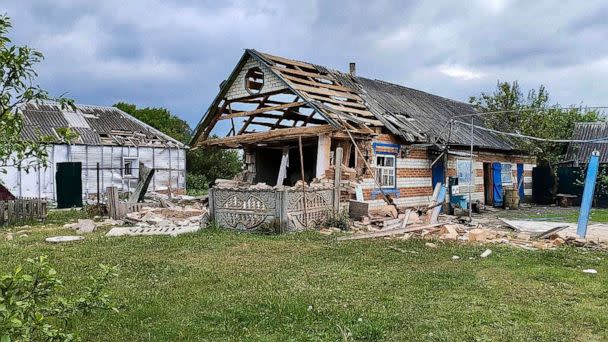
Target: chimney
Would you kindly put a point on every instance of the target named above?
(353, 68)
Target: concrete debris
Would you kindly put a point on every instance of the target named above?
(89, 226)
(164, 221)
(486, 253)
(85, 226)
(378, 225)
(67, 238)
(590, 271)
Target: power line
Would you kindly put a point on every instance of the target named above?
(519, 135)
(527, 110)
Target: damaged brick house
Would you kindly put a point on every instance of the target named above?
(400, 134)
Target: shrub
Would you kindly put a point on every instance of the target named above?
(196, 184)
(31, 309)
(337, 219)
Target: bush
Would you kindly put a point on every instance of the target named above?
(31, 309)
(196, 184)
(337, 219)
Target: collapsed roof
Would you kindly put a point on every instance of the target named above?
(341, 101)
(95, 125)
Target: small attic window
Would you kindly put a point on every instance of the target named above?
(254, 80)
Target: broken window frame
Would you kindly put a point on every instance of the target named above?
(254, 76)
(463, 173)
(387, 172)
(506, 173)
(133, 168)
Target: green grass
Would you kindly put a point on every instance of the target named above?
(225, 286)
(555, 214)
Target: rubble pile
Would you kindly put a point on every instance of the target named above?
(449, 229)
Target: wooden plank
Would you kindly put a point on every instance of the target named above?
(277, 133)
(328, 92)
(389, 232)
(10, 212)
(2, 212)
(295, 116)
(262, 110)
(355, 105)
(407, 217)
(287, 61)
(291, 79)
(268, 124)
(145, 177)
(283, 71)
(357, 112)
(337, 178)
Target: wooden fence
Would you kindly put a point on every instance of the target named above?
(118, 210)
(22, 210)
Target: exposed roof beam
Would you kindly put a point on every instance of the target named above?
(262, 110)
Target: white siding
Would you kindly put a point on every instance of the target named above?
(41, 180)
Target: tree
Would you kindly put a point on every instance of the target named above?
(159, 118)
(532, 115)
(17, 87)
(207, 165)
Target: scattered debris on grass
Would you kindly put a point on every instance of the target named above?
(486, 253)
(590, 271)
(65, 238)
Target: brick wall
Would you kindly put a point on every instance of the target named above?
(414, 175)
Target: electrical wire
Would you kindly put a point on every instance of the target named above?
(525, 110)
(519, 135)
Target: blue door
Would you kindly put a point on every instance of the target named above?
(437, 173)
(520, 175)
(497, 184)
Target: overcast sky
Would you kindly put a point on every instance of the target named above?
(174, 54)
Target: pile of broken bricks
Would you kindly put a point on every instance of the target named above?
(446, 228)
(451, 231)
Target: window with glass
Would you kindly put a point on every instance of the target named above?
(506, 175)
(386, 170)
(463, 171)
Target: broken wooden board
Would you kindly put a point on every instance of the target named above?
(145, 177)
(389, 232)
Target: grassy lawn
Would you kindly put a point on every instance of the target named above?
(225, 286)
(554, 214)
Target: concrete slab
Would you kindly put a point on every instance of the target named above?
(596, 231)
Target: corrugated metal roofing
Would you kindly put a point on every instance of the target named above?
(580, 152)
(95, 125)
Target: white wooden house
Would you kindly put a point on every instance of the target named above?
(108, 139)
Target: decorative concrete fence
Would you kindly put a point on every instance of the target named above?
(291, 208)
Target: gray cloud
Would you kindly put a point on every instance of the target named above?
(175, 53)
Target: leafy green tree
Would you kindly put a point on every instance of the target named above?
(18, 79)
(159, 118)
(532, 115)
(207, 165)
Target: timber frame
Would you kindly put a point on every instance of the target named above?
(308, 100)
